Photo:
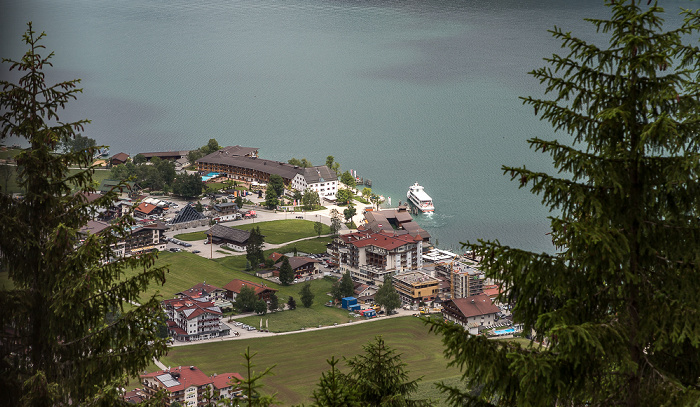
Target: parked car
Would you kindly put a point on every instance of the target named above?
(195, 251)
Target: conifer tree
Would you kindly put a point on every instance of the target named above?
(347, 286)
(380, 377)
(254, 248)
(57, 345)
(617, 300)
(307, 297)
(388, 297)
(335, 389)
(286, 272)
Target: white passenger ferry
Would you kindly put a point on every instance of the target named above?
(420, 199)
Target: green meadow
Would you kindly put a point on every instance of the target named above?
(300, 358)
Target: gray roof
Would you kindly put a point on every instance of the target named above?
(414, 229)
(318, 174)
(187, 214)
(230, 234)
(238, 150)
(226, 205)
(284, 170)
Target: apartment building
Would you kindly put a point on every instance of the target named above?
(370, 257)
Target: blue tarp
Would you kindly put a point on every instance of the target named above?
(348, 301)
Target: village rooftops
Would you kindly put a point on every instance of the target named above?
(224, 380)
(284, 170)
(240, 151)
(385, 240)
(180, 378)
(476, 305)
(314, 175)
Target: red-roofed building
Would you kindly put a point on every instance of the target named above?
(187, 385)
(227, 385)
(372, 256)
(233, 288)
(471, 312)
(146, 209)
(192, 319)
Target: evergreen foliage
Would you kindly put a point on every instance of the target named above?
(62, 341)
(254, 251)
(78, 143)
(277, 183)
(251, 385)
(387, 296)
(246, 300)
(260, 307)
(307, 297)
(286, 272)
(380, 377)
(335, 389)
(188, 186)
(617, 302)
(347, 286)
(271, 200)
(318, 228)
(274, 302)
(291, 303)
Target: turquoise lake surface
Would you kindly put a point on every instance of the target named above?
(401, 91)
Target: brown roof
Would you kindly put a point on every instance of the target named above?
(199, 290)
(94, 227)
(476, 305)
(146, 208)
(236, 285)
(284, 170)
(276, 256)
(120, 157)
(224, 380)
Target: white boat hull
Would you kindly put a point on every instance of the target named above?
(422, 201)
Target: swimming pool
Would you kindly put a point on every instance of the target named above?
(504, 331)
(210, 176)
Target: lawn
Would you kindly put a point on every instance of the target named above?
(317, 245)
(187, 269)
(301, 358)
(282, 231)
(13, 187)
(9, 153)
(191, 236)
(275, 232)
(295, 320)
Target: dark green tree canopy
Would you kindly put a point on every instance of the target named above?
(78, 143)
(246, 299)
(347, 286)
(254, 248)
(286, 272)
(617, 300)
(188, 186)
(277, 184)
(307, 296)
(387, 296)
(380, 377)
(68, 329)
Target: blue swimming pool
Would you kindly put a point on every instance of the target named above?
(504, 331)
(210, 176)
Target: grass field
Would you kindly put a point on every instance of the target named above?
(13, 188)
(275, 232)
(282, 231)
(301, 358)
(191, 236)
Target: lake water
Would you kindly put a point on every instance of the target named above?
(401, 91)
